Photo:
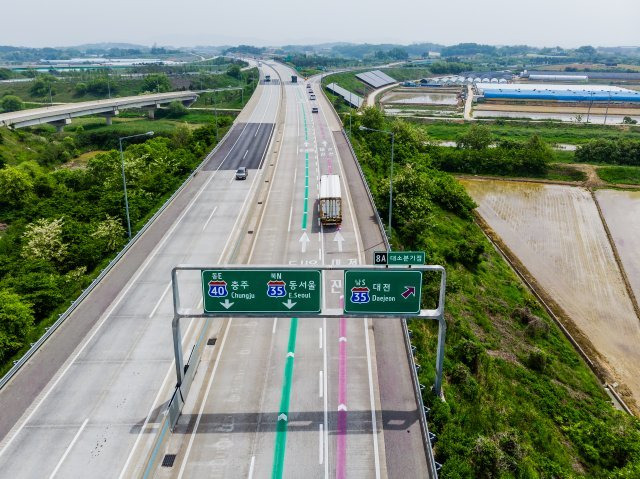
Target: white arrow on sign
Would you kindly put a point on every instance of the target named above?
(227, 304)
(282, 417)
(289, 304)
(339, 238)
(304, 240)
(342, 407)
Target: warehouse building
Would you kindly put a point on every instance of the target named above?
(556, 93)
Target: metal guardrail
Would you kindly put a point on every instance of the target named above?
(34, 348)
(424, 427)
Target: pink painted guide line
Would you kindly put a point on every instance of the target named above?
(341, 459)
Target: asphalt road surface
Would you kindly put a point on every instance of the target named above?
(280, 397)
(337, 419)
(86, 403)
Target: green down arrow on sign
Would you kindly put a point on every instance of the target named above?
(277, 291)
(382, 291)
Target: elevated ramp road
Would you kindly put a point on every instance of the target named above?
(37, 116)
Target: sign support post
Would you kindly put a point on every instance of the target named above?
(175, 327)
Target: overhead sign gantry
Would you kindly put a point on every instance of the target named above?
(393, 291)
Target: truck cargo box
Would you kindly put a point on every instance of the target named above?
(330, 201)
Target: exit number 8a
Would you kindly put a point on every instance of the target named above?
(380, 257)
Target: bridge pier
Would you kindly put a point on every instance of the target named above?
(151, 111)
(108, 116)
(60, 124)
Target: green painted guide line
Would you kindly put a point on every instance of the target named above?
(305, 210)
(283, 413)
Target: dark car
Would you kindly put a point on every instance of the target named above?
(241, 173)
(314, 109)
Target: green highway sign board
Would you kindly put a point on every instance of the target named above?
(257, 291)
(399, 257)
(382, 291)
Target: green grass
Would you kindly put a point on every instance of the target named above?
(562, 172)
(549, 132)
(406, 73)
(65, 90)
(503, 416)
(627, 175)
(520, 401)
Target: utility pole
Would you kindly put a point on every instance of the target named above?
(124, 180)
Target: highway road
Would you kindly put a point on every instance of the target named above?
(87, 403)
(335, 413)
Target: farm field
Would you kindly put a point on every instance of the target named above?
(556, 233)
(621, 210)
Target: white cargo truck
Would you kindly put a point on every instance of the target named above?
(330, 201)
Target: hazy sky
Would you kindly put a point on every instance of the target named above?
(567, 23)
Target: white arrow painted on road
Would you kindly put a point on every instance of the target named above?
(227, 304)
(342, 407)
(282, 417)
(304, 240)
(342, 339)
(339, 238)
(290, 354)
(289, 304)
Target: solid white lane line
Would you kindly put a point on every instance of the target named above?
(320, 443)
(171, 368)
(372, 403)
(209, 218)
(264, 156)
(66, 453)
(119, 300)
(204, 402)
(320, 386)
(326, 405)
(251, 466)
(155, 308)
(275, 322)
(245, 154)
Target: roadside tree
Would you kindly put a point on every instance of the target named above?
(11, 103)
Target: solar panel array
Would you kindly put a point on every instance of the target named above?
(375, 78)
(351, 98)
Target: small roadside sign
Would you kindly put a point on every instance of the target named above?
(278, 291)
(382, 291)
(399, 257)
(380, 257)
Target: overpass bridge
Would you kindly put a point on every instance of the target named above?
(61, 115)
